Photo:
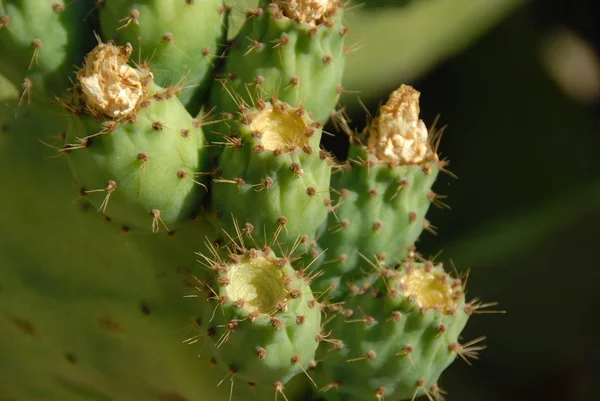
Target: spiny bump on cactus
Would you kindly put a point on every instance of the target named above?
(261, 318)
(43, 45)
(132, 143)
(288, 50)
(308, 265)
(271, 170)
(399, 331)
(379, 203)
(179, 40)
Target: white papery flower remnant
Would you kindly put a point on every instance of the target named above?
(109, 85)
(397, 135)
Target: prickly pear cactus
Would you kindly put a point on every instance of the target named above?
(195, 240)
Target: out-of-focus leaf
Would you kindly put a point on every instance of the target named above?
(399, 44)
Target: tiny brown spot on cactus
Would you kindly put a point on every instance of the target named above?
(171, 397)
(380, 393)
(396, 316)
(108, 324)
(327, 59)
(406, 350)
(185, 132)
(143, 157)
(125, 229)
(71, 358)
(22, 325)
(251, 384)
(212, 362)
(370, 355)
(311, 303)
(259, 81)
(296, 169)
(412, 217)
(181, 173)
(300, 319)
(335, 384)
(311, 191)
(261, 353)
(37, 45)
(168, 37)
(57, 7)
(258, 149)
(198, 321)
(190, 1)
(294, 81)
(157, 126)
(255, 12)
(441, 329)
(276, 322)
(377, 225)
(144, 308)
(4, 21)
(107, 219)
(210, 332)
(373, 192)
(133, 17)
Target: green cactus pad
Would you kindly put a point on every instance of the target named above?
(141, 169)
(380, 199)
(300, 63)
(41, 45)
(271, 173)
(395, 336)
(378, 213)
(178, 39)
(261, 320)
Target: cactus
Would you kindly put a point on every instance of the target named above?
(235, 247)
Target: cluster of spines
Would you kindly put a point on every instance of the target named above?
(135, 158)
(42, 46)
(272, 170)
(180, 40)
(358, 287)
(263, 338)
(393, 343)
(278, 54)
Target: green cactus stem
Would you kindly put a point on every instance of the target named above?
(379, 203)
(271, 172)
(293, 51)
(41, 45)
(261, 320)
(179, 40)
(396, 334)
(133, 148)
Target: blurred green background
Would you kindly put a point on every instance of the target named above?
(518, 85)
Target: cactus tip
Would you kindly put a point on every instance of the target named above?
(397, 135)
(109, 85)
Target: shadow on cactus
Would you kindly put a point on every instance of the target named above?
(283, 271)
